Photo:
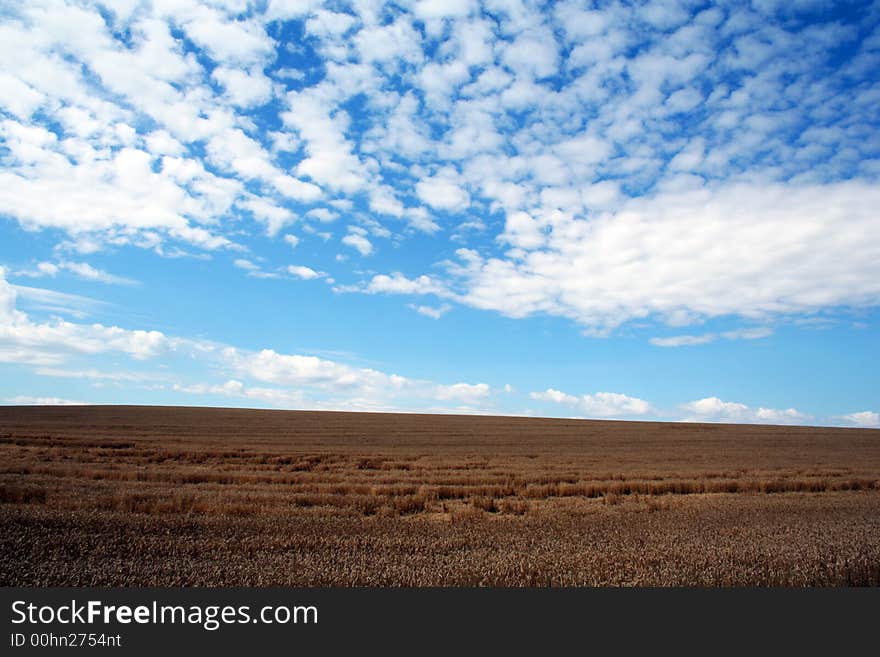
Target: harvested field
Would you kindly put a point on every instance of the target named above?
(183, 496)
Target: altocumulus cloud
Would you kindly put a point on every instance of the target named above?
(635, 164)
(706, 160)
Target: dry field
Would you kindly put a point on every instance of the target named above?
(139, 496)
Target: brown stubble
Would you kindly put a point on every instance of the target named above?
(163, 496)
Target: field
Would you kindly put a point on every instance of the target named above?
(143, 496)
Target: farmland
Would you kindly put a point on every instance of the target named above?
(139, 496)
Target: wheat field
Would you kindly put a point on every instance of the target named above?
(157, 496)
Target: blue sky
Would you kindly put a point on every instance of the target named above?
(646, 210)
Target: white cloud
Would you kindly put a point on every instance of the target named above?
(579, 24)
(244, 88)
(54, 301)
(247, 265)
(673, 252)
(608, 404)
(46, 269)
(296, 189)
(305, 273)
(329, 24)
(600, 404)
(755, 333)
(27, 400)
(386, 43)
(785, 416)
(310, 381)
(442, 191)
(289, 9)
(555, 396)
(275, 216)
(683, 340)
(473, 41)
(431, 311)
(19, 97)
(160, 142)
(89, 168)
(433, 9)
(8, 311)
(463, 392)
(333, 378)
(615, 192)
(533, 53)
(752, 333)
(85, 270)
(93, 374)
(269, 366)
(683, 100)
(292, 240)
(330, 161)
(397, 283)
(322, 214)
(713, 409)
(522, 231)
(25, 341)
(122, 194)
(253, 269)
(358, 242)
(439, 81)
(280, 398)
(234, 42)
(437, 132)
(863, 419)
(22, 341)
(81, 269)
(303, 380)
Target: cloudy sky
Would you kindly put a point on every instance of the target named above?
(640, 210)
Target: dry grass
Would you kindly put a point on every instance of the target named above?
(125, 495)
